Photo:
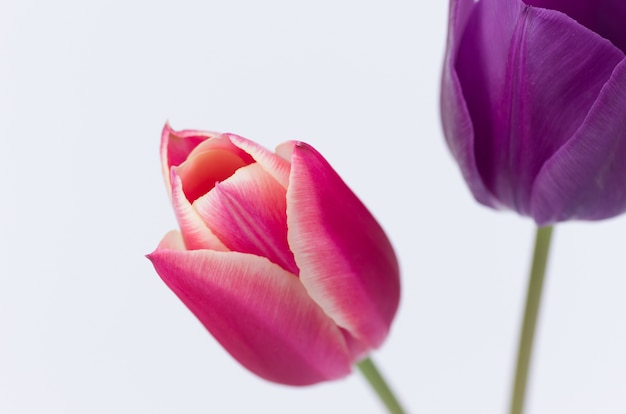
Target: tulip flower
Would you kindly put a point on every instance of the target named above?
(276, 256)
(534, 105)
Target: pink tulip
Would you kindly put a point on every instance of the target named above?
(276, 257)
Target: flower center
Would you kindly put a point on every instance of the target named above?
(201, 171)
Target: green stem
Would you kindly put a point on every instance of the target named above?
(371, 373)
(533, 298)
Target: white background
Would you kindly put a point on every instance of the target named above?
(87, 326)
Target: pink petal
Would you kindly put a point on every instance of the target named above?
(173, 240)
(346, 262)
(195, 232)
(285, 150)
(247, 212)
(259, 312)
(176, 146)
(271, 163)
(212, 161)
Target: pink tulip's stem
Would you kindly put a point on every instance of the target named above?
(373, 376)
(533, 298)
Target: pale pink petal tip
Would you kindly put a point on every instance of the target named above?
(272, 163)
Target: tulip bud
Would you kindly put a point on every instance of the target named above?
(534, 105)
(276, 257)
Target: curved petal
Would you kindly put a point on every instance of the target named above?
(492, 37)
(346, 261)
(272, 163)
(176, 146)
(195, 232)
(172, 240)
(247, 212)
(285, 150)
(212, 161)
(604, 17)
(529, 76)
(259, 312)
(586, 178)
(455, 117)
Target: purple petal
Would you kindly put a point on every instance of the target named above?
(604, 17)
(586, 178)
(260, 313)
(456, 121)
(529, 77)
(346, 261)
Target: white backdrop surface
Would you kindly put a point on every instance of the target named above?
(87, 326)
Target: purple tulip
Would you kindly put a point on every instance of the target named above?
(534, 105)
(276, 256)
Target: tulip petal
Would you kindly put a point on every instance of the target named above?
(258, 312)
(212, 161)
(604, 17)
(271, 163)
(176, 146)
(346, 261)
(522, 112)
(172, 240)
(195, 232)
(456, 120)
(586, 178)
(247, 213)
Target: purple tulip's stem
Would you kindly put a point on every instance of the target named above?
(371, 373)
(533, 298)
